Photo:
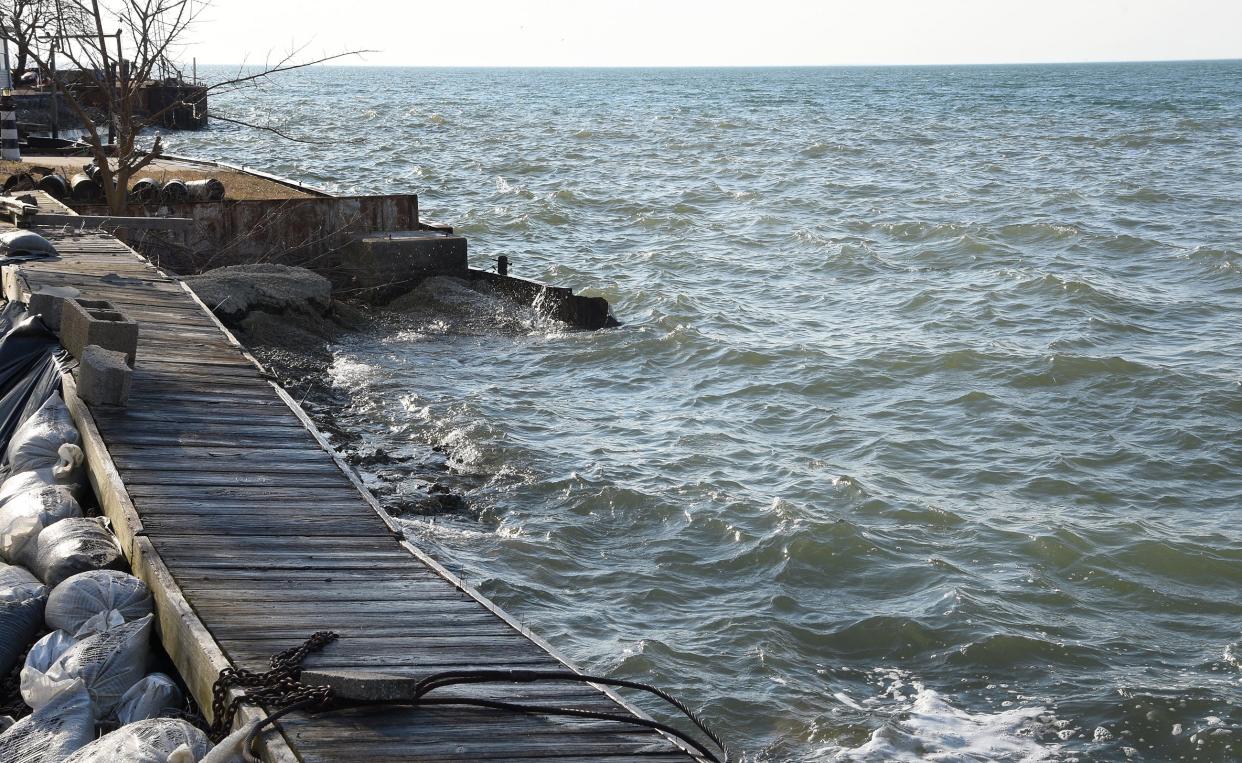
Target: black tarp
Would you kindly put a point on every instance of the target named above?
(30, 355)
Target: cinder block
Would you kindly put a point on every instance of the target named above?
(104, 376)
(11, 283)
(49, 306)
(84, 322)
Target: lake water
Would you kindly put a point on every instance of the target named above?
(921, 436)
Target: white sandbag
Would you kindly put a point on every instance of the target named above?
(230, 748)
(17, 583)
(25, 515)
(155, 696)
(19, 622)
(68, 471)
(21, 613)
(109, 663)
(71, 546)
(35, 443)
(53, 732)
(87, 595)
(37, 689)
(150, 741)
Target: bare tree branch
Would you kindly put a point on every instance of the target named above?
(286, 136)
(150, 32)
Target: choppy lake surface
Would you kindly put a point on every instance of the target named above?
(921, 436)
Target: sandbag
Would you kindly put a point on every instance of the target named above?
(87, 595)
(230, 748)
(155, 696)
(150, 741)
(71, 546)
(25, 515)
(54, 731)
(36, 442)
(17, 583)
(19, 622)
(36, 688)
(69, 472)
(21, 613)
(109, 663)
(21, 244)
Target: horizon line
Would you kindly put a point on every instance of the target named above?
(1082, 62)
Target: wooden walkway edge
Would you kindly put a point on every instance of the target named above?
(252, 533)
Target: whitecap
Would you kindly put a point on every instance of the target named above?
(930, 728)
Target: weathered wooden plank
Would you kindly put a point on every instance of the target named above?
(221, 439)
(193, 525)
(136, 478)
(217, 413)
(222, 454)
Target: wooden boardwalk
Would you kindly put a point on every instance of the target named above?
(254, 535)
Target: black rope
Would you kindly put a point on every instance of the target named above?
(280, 687)
(458, 677)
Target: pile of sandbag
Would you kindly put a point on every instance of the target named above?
(43, 464)
(41, 522)
(90, 672)
(22, 597)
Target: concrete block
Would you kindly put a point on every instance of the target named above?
(11, 283)
(49, 302)
(104, 376)
(366, 685)
(384, 265)
(84, 322)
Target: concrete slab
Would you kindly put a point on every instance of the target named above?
(382, 266)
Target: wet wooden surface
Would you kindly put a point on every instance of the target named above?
(270, 540)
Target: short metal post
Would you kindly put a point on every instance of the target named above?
(502, 265)
(9, 149)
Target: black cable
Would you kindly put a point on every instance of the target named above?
(281, 682)
(575, 712)
(454, 677)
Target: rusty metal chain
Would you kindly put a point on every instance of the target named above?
(277, 687)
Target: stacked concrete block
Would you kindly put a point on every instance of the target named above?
(105, 343)
(48, 303)
(84, 322)
(104, 376)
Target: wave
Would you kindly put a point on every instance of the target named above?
(930, 728)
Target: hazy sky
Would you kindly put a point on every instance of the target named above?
(723, 32)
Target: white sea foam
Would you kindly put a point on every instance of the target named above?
(926, 727)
